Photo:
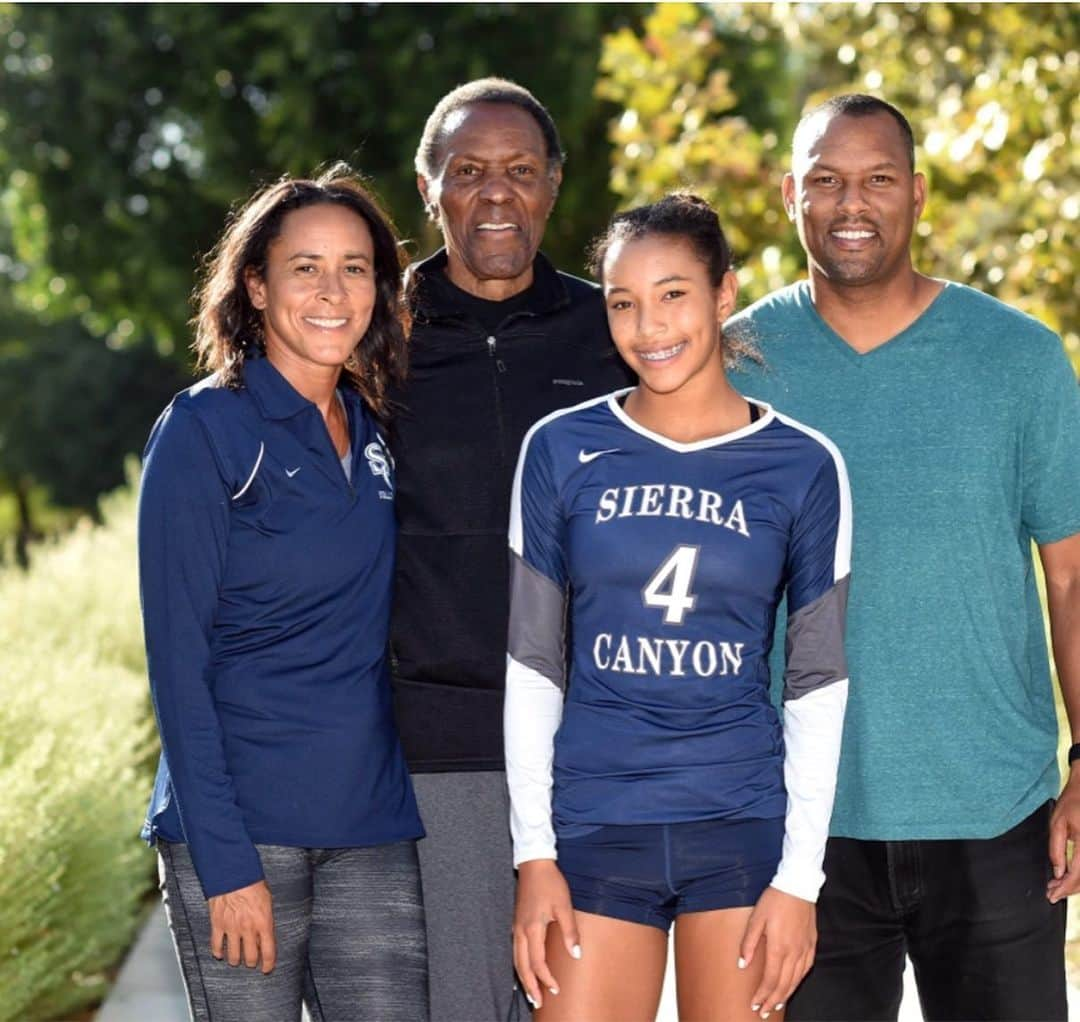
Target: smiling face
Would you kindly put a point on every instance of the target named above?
(317, 292)
(855, 200)
(665, 314)
(492, 193)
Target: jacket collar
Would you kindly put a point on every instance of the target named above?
(275, 396)
(429, 299)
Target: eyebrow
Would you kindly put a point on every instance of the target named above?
(521, 154)
(884, 165)
(656, 283)
(315, 255)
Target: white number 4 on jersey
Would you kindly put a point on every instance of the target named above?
(676, 573)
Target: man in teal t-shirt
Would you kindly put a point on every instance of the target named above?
(959, 419)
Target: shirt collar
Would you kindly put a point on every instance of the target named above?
(275, 396)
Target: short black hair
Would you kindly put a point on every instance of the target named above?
(857, 104)
(484, 90)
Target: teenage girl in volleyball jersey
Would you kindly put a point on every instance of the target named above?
(653, 534)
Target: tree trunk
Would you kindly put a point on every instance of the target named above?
(25, 531)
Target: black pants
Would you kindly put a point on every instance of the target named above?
(972, 914)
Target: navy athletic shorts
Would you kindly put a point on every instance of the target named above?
(652, 873)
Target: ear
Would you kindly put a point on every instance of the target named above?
(918, 189)
(726, 296)
(787, 191)
(427, 193)
(256, 287)
(556, 181)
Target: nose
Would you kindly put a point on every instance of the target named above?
(852, 200)
(650, 323)
(333, 287)
(496, 188)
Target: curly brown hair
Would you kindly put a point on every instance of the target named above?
(229, 329)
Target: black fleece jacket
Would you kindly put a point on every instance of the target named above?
(470, 397)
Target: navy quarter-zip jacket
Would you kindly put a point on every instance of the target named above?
(470, 397)
(265, 580)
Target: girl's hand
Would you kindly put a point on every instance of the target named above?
(542, 898)
(789, 927)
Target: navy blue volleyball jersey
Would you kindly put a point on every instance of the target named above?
(662, 565)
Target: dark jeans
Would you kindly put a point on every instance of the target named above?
(349, 924)
(972, 915)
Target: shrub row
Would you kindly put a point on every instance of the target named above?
(76, 740)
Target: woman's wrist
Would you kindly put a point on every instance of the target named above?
(536, 865)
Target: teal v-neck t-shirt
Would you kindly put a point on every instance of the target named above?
(962, 441)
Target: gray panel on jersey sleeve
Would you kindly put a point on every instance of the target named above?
(815, 643)
(537, 621)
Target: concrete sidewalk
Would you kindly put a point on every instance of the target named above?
(148, 988)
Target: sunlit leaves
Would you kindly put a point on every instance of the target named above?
(992, 90)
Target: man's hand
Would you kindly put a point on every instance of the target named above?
(1061, 566)
(789, 926)
(1065, 827)
(242, 926)
(542, 898)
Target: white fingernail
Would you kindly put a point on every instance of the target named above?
(554, 990)
(530, 1000)
(575, 951)
(754, 1007)
(742, 963)
(764, 1014)
(780, 1005)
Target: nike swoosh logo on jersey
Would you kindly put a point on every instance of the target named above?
(290, 472)
(586, 456)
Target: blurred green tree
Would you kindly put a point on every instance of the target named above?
(710, 93)
(71, 408)
(126, 131)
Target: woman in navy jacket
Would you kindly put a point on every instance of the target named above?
(283, 812)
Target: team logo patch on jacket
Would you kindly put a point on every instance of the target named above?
(381, 465)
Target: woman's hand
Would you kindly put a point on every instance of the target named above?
(242, 925)
(789, 927)
(542, 898)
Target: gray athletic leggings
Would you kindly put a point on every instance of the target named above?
(349, 924)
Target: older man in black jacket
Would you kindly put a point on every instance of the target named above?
(500, 338)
